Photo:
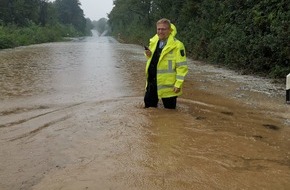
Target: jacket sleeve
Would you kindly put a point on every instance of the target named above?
(181, 65)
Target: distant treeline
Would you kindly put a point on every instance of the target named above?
(24, 22)
(249, 36)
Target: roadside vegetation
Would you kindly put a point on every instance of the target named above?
(248, 36)
(31, 22)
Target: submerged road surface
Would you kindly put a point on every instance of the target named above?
(72, 118)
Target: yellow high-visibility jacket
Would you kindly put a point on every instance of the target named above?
(172, 65)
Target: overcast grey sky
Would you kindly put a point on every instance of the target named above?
(96, 9)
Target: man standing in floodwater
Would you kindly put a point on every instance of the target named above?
(166, 66)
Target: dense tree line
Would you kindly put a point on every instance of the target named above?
(24, 22)
(101, 26)
(249, 36)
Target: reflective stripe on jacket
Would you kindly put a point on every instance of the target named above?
(172, 65)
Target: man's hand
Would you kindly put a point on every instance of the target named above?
(176, 90)
(148, 53)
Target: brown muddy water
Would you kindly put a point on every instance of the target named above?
(72, 118)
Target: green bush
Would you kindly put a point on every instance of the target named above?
(13, 36)
(6, 42)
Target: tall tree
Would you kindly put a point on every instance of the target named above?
(69, 12)
(43, 12)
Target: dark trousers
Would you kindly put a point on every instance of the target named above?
(151, 98)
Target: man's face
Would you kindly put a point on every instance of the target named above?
(163, 31)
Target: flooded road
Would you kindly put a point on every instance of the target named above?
(72, 117)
